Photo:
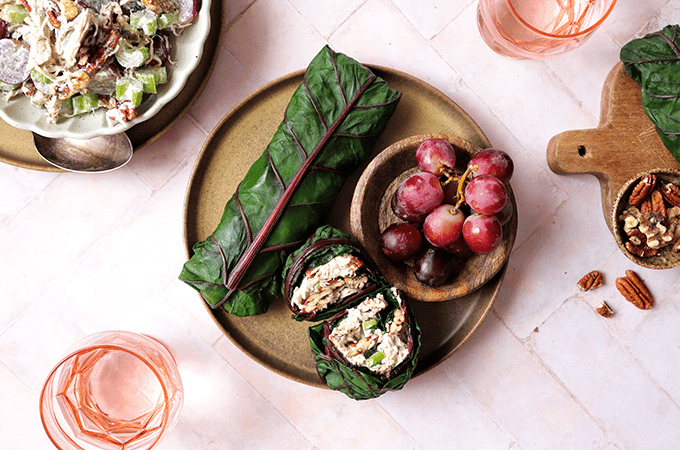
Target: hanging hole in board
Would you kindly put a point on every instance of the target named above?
(582, 150)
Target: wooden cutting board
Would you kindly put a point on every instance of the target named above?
(624, 144)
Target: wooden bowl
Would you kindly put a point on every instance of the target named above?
(371, 213)
(665, 259)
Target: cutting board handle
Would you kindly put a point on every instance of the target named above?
(577, 152)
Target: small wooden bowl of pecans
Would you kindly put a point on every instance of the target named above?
(646, 219)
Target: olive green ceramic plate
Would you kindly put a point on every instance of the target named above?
(16, 146)
(274, 339)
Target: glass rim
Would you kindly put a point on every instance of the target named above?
(563, 36)
(46, 405)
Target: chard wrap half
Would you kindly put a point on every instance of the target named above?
(336, 272)
(356, 380)
(329, 128)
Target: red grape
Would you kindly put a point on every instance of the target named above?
(486, 194)
(436, 156)
(494, 162)
(482, 233)
(400, 241)
(3, 29)
(161, 51)
(505, 214)
(459, 248)
(450, 192)
(443, 226)
(188, 10)
(433, 266)
(416, 196)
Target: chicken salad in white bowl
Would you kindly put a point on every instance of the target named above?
(81, 69)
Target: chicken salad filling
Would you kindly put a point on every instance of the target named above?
(326, 284)
(364, 341)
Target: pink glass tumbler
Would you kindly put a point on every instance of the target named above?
(114, 390)
(536, 29)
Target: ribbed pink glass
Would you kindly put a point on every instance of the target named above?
(114, 390)
(537, 29)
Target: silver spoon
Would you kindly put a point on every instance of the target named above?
(99, 154)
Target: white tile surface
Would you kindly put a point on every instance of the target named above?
(85, 253)
(612, 384)
(520, 393)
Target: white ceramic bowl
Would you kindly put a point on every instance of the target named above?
(186, 52)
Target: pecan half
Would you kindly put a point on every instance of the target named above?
(103, 53)
(642, 189)
(54, 19)
(637, 244)
(604, 310)
(26, 5)
(671, 193)
(658, 204)
(634, 290)
(646, 205)
(591, 280)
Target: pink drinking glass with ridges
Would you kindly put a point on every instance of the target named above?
(114, 390)
(538, 29)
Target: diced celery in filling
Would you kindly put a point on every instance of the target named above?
(6, 87)
(144, 20)
(13, 13)
(375, 359)
(148, 82)
(40, 77)
(366, 345)
(41, 82)
(160, 73)
(152, 77)
(370, 324)
(130, 89)
(130, 58)
(83, 103)
(167, 19)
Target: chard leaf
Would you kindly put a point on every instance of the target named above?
(654, 62)
(330, 127)
(360, 383)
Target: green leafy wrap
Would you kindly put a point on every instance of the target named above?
(358, 381)
(328, 246)
(329, 128)
(654, 62)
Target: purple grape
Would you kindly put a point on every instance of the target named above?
(444, 225)
(505, 214)
(416, 196)
(482, 233)
(459, 248)
(3, 29)
(494, 162)
(436, 156)
(486, 194)
(433, 266)
(400, 241)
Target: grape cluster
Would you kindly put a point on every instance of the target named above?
(448, 216)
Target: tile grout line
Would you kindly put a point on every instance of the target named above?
(526, 344)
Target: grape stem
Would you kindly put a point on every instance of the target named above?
(461, 184)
